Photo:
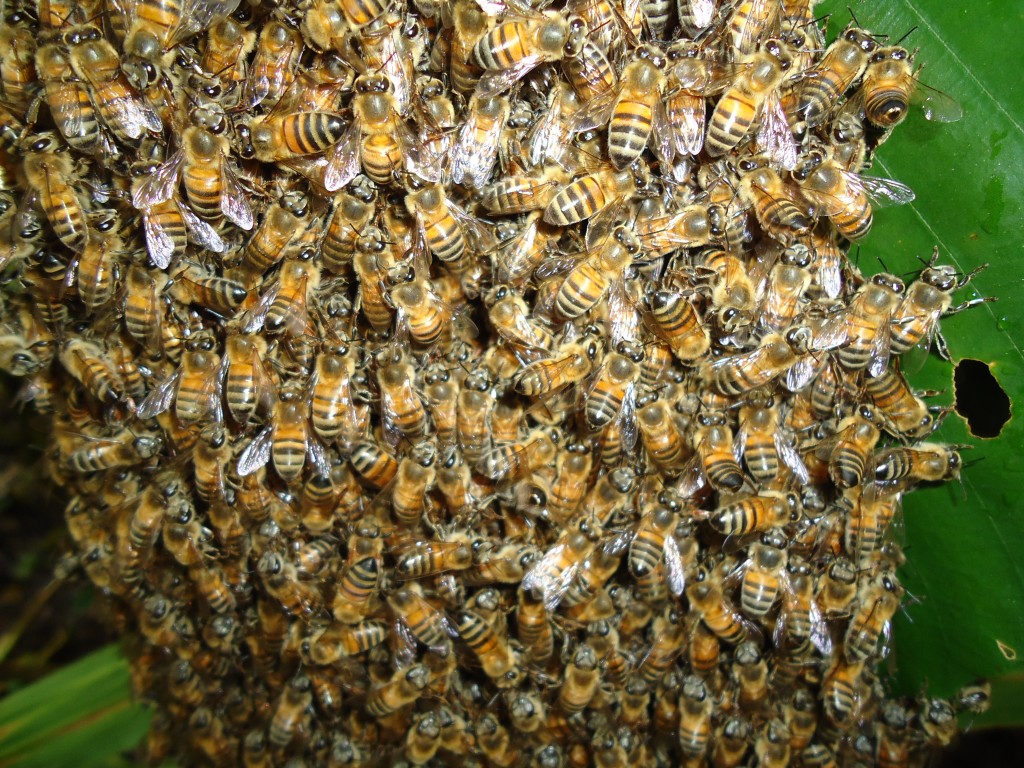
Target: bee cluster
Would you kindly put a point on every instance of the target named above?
(469, 383)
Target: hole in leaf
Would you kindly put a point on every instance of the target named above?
(980, 399)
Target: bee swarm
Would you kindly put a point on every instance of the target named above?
(464, 383)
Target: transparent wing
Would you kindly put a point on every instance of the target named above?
(549, 579)
(158, 242)
(159, 399)
(687, 114)
(791, 458)
(774, 137)
(160, 186)
(675, 572)
(197, 15)
(343, 163)
(936, 105)
(885, 192)
(472, 159)
(493, 84)
(234, 203)
(201, 232)
(317, 455)
(257, 453)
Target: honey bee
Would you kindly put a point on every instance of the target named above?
(288, 441)
(572, 363)
(896, 468)
(777, 205)
(822, 85)
(585, 64)
(371, 262)
(800, 619)
(764, 574)
(764, 447)
(772, 745)
(614, 385)
(928, 299)
(336, 642)
(847, 198)
(194, 388)
(154, 28)
(335, 411)
(403, 413)
(706, 595)
(534, 626)
(123, 450)
(674, 318)
(510, 50)
(475, 149)
(581, 681)
(373, 463)
(661, 436)
(211, 185)
(491, 648)
(752, 97)
(715, 453)
(695, 710)
(426, 558)
(512, 461)
(441, 221)
(731, 742)
(572, 470)
(669, 633)
(403, 688)
(838, 587)
(248, 385)
(842, 690)
(769, 509)
(904, 413)
(94, 61)
(278, 235)
(290, 712)
(67, 98)
(17, 66)
(776, 356)
(890, 86)
(280, 577)
(273, 68)
(877, 602)
(86, 363)
(593, 274)
(228, 46)
(509, 315)
(48, 172)
(590, 194)
(210, 458)
(863, 332)
(856, 439)
(352, 214)
(193, 285)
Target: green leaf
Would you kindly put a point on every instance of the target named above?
(962, 541)
(81, 715)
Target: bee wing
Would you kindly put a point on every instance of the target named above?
(937, 106)
(472, 161)
(480, 235)
(595, 113)
(253, 319)
(158, 242)
(627, 420)
(257, 453)
(160, 398)
(495, 83)
(774, 137)
(388, 419)
(799, 374)
(662, 133)
(880, 349)
(691, 479)
(424, 159)
(554, 368)
(234, 203)
(558, 265)
(702, 12)
(343, 163)
(516, 262)
(160, 186)
(834, 333)
(317, 455)
(686, 115)
(200, 231)
(547, 137)
(675, 573)
(791, 458)
(830, 273)
(623, 317)
(884, 192)
(750, 30)
(197, 15)
(551, 582)
(132, 115)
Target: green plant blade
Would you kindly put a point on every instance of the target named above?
(962, 542)
(82, 715)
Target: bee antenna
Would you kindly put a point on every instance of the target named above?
(909, 31)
